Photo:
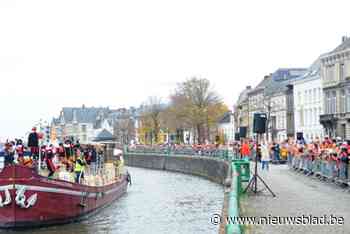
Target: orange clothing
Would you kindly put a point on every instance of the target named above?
(245, 151)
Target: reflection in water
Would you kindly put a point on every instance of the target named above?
(157, 202)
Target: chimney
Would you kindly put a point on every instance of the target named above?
(266, 77)
(248, 87)
(344, 38)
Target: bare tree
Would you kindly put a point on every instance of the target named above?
(197, 104)
(151, 116)
(124, 129)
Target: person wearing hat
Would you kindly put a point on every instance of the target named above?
(20, 151)
(33, 143)
(9, 153)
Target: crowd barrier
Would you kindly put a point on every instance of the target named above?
(324, 168)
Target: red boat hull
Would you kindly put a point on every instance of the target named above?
(57, 201)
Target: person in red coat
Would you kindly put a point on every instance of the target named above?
(245, 150)
(49, 161)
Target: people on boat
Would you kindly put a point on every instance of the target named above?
(65, 161)
(93, 160)
(33, 143)
(20, 151)
(68, 147)
(118, 160)
(49, 161)
(79, 166)
(9, 153)
(60, 151)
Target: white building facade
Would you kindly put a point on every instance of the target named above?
(335, 76)
(279, 116)
(227, 128)
(308, 104)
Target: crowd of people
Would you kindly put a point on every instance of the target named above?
(325, 156)
(74, 157)
(328, 157)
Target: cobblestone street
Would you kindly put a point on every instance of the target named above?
(297, 195)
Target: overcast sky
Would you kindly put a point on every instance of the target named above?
(117, 53)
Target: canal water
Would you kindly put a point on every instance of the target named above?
(157, 202)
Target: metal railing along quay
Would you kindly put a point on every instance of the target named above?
(240, 174)
(223, 154)
(324, 167)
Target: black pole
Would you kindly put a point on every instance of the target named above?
(253, 183)
(256, 165)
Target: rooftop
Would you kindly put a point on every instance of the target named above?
(344, 45)
(283, 74)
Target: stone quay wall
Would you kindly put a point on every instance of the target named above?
(209, 168)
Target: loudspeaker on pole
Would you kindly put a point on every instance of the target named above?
(242, 132)
(259, 124)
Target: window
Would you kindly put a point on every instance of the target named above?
(315, 116)
(319, 94)
(306, 117)
(348, 100)
(327, 102)
(299, 98)
(319, 113)
(342, 101)
(310, 96)
(305, 96)
(311, 117)
(333, 102)
(341, 71)
(83, 128)
(330, 73)
(301, 119)
(314, 95)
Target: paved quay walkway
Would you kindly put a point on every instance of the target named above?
(297, 195)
